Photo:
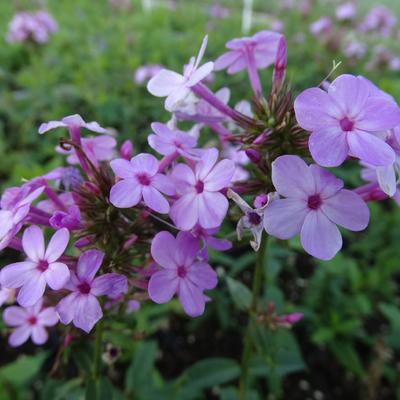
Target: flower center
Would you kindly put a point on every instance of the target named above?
(143, 179)
(254, 218)
(199, 187)
(314, 202)
(42, 265)
(32, 320)
(84, 288)
(182, 271)
(346, 124)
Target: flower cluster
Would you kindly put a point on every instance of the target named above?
(125, 226)
(27, 26)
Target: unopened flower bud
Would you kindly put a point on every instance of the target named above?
(126, 150)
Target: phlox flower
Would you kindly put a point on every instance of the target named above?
(176, 87)
(81, 306)
(140, 180)
(99, 148)
(314, 203)
(180, 272)
(167, 142)
(199, 190)
(321, 27)
(41, 268)
(71, 122)
(346, 11)
(29, 322)
(344, 121)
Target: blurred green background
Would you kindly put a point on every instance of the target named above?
(348, 344)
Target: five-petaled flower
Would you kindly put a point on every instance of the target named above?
(29, 322)
(315, 202)
(41, 267)
(140, 180)
(344, 121)
(180, 272)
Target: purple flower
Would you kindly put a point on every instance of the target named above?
(287, 320)
(72, 122)
(315, 202)
(70, 219)
(29, 322)
(176, 87)
(81, 306)
(140, 180)
(100, 148)
(344, 119)
(321, 27)
(261, 47)
(200, 199)
(41, 267)
(379, 19)
(180, 272)
(168, 142)
(346, 11)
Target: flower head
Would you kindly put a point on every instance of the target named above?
(180, 272)
(40, 269)
(81, 306)
(72, 122)
(29, 322)
(140, 180)
(344, 120)
(176, 87)
(201, 200)
(315, 202)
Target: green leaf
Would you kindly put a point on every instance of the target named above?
(241, 295)
(141, 366)
(347, 356)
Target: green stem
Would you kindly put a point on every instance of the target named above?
(247, 348)
(98, 350)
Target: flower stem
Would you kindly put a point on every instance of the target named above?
(247, 341)
(98, 350)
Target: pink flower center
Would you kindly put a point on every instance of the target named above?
(143, 179)
(32, 320)
(42, 265)
(254, 218)
(199, 187)
(84, 288)
(314, 202)
(182, 271)
(346, 124)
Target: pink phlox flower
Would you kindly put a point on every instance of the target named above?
(180, 272)
(252, 220)
(315, 202)
(72, 121)
(200, 199)
(345, 120)
(262, 46)
(166, 141)
(99, 148)
(81, 306)
(41, 267)
(176, 87)
(30, 322)
(140, 180)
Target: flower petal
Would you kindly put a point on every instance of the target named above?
(32, 291)
(379, 115)
(370, 149)
(164, 184)
(220, 176)
(15, 275)
(191, 298)
(226, 60)
(203, 276)
(200, 73)
(164, 82)
(57, 275)
(145, 163)
(155, 200)
(122, 168)
(125, 194)
(187, 247)
(387, 179)
(292, 177)
(87, 312)
(319, 236)
(48, 317)
(328, 146)
(162, 286)
(66, 308)
(33, 243)
(163, 248)
(283, 218)
(88, 264)
(212, 209)
(19, 336)
(14, 316)
(347, 209)
(326, 184)
(57, 245)
(184, 212)
(39, 335)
